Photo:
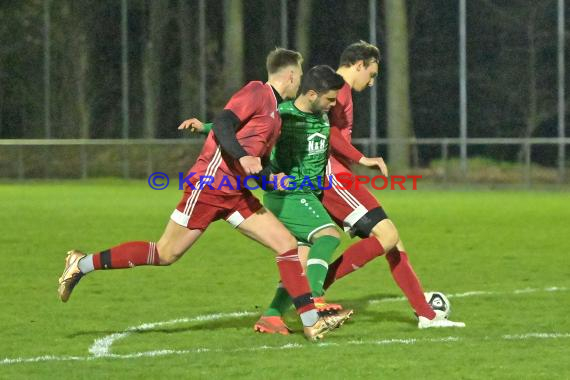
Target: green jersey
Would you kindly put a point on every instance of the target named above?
(302, 150)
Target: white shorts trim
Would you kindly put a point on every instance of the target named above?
(180, 218)
(318, 229)
(352, 218)
(235, 219)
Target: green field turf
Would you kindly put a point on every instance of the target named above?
(505, 252)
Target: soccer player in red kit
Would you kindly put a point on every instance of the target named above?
(355, 208)
(243, 134)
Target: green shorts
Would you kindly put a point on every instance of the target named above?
(302, 213)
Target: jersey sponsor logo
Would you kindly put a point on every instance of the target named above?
(317, 143)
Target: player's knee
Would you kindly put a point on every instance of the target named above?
(167, 258)
(333, 232)
(387, 234)
(285, 243)
(168, 255)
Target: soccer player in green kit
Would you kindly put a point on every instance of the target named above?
(300, 155)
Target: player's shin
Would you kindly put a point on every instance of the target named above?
(318, 262)
(407, 280)
(355, 257)
(296, 284)
(280, 304)
(126, 255)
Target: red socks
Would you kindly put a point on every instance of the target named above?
(358, 254)
(127, 255)
(355, 257)
(407, 280)
(295, 281)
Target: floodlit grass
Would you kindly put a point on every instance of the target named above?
(494, 242)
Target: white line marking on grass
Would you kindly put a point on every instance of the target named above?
(405, 341)
(482, 293)
(101, 348)
(536, 336)
(45, 358)
(289, 346)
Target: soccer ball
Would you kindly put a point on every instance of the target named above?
(439, 303)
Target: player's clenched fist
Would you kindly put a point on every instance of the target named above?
(281, 180)
(250, 164)
(194, 124)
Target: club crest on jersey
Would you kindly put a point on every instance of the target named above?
(317, 143)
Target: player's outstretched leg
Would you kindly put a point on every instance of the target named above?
(315, 264)
(406, 278)
(174, 242)
(265, 228)
(324, 243)
(383, 237)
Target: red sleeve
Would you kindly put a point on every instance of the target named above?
(342, 148)
(246, 102)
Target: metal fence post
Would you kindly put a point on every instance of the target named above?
(561, 96)
(373, 90)
(126, 161)
(202, 56)
(527, 162)
(149, 160)
(444, 156)
(83, 158)
(284, 24)
(463, 86)
(125, 82)
(21, 169)
(47, 69)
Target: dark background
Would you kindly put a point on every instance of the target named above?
(511, 48)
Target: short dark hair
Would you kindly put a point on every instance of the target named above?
(360, 51)
(280, 58)
(321, 78)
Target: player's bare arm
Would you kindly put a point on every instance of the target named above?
(250, 164)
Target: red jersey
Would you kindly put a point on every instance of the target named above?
(255, 105)
(341, 115)
(342, 120)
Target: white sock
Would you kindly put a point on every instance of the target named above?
(309, 318)
(86, 264)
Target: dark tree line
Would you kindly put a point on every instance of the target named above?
(511, 63)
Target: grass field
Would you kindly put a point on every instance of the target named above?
(504, 254)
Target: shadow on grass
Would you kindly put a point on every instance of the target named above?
(220, 324)
(362, 312)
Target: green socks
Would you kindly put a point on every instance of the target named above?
(280, 304)
(318, 262)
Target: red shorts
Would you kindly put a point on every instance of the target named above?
(199, 208)
(346, 206)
